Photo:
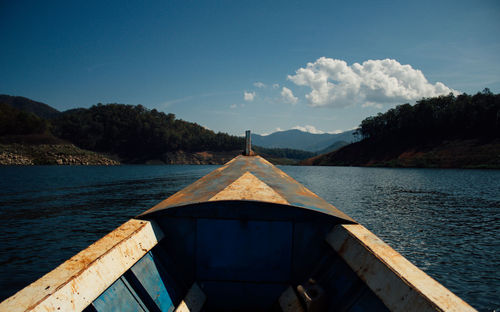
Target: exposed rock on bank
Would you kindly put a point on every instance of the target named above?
(448, 154)
(50, 154)
(199, 158)
(210, 158)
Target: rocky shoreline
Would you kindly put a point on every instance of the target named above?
(69, 154)
(197, 158)
(16, 154)
(50, 154)
(467, 154)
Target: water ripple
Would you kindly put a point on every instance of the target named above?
(447, 222)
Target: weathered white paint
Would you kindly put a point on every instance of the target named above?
(396, 281)
(249, 187)
(73, 285)
(194, 300)
(289, 301)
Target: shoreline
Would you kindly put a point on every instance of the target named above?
(457, 154)
(50, 154)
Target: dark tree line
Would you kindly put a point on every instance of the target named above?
(436, 119)
(39, 109)
(283, 152)
(17, 122)
(137, 132)
(132, 132)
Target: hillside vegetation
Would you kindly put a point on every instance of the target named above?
(133, 134)
(136, 133)
(445, 131)
(16, 122)
(29, 106)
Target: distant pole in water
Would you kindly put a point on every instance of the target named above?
(248, 144)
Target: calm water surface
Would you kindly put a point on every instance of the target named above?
(447, 222)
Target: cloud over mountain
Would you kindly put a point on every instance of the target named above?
(308, 128)
(373, 83)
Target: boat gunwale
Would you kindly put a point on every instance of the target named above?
(66, 287)
(386, 272)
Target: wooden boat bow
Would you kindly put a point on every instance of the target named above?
(245, 237)
(250, 178)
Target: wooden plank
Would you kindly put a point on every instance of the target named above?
(282, 184)
(194, 300)
(395, 280)
(147, 274)
(73, 285)
(248, 187)
(119, 297)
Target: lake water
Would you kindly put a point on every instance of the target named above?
(445, 221)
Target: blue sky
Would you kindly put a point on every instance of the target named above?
(198, 59)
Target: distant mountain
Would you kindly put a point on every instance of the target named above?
(300, 140)
(24, 104)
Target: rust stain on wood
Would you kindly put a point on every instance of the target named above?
(249, 187)
(78, 281)
(395, 280)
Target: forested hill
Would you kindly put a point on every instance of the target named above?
(445, 131)
(17, 122)
(135, 132)
(26, 105)
(129, 133)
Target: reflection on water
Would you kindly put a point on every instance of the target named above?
(444, 221)
(49, 213)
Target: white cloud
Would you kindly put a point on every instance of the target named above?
(233, 106)
(259, 84)
(309, 128)
(372, 83)
(335, 131)
(248, 96)
(288, 96)
(376, 105)
(275, 130)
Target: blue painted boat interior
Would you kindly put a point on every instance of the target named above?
(243, 255)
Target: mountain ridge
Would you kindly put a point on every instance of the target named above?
(28, 105)
(300, 140)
